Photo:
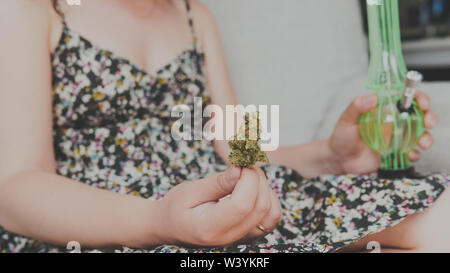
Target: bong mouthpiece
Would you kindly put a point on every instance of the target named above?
(413, 79)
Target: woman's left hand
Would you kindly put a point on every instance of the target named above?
(352, 154)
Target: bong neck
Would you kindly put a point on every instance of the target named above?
(387, 67)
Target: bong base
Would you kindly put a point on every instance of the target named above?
(395, 174)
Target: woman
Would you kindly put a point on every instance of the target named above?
(106, 123)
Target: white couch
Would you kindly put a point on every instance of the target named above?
(310, 57)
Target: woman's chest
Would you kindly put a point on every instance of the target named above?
(94, 86)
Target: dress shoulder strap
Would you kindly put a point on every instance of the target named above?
(190, 19)
(58, 10)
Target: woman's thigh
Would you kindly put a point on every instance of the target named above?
(426, 231)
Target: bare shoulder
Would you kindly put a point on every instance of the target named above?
(199, 7)
(27, 21)
(25, 12)
(203, 19)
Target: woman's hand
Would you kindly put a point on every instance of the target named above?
(347, 147)
(192, 214)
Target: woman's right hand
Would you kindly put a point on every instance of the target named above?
(191, 213)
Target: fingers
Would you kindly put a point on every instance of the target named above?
(431, 119)
(231, 211)
(251, 203)
(262, 207)
(358, 106)
(271, 219)
(415, 155)
(274, 217)
(214, 187)
(426, 141)
(423, 100)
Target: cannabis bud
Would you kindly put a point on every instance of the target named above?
(245, 151)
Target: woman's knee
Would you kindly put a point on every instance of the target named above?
(428, 229)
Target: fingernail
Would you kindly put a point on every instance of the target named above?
(414, 155)
(426, 142)
(424, 103)
(431, 122)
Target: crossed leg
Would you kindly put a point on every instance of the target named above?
(427, 231)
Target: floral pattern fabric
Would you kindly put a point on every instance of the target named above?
(112, 130)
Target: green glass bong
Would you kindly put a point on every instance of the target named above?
(394, 127)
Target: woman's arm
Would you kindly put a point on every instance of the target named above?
(54, 209)
(310, 159)
(34, 201)
(218, 78)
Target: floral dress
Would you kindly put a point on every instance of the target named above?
(112, 130)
